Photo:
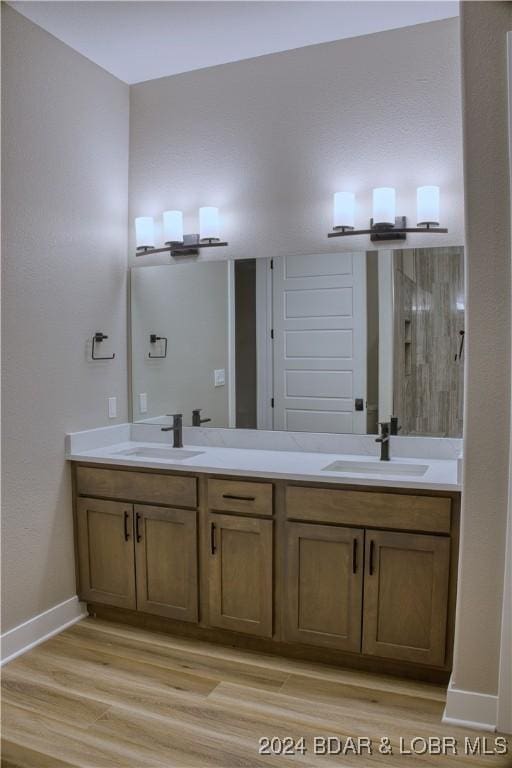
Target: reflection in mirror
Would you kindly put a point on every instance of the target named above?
(428, 340)
(319, 343)
(188, 305)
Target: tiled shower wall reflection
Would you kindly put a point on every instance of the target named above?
(428, 366)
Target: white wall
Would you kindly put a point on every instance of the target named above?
(64, 199)
(474, 686)
(270, 139)
(188, 303)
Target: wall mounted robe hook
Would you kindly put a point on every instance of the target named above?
(98, 337)
(153, 338)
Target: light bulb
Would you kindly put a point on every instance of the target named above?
(209, 223)
(343, 210)
(427, 201)
(384, 206)
(145, 232)
(173, 226)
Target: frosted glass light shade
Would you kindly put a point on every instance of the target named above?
(384, 206)
(173, 226)
(427, 201)
(145, 232)
(209, 228)
(343, 210)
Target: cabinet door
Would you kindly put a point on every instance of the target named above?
(324, 585)
(166, 559)
(406, 596)
(240, 569)
(106, 558)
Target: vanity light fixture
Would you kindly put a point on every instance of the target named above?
(177, 243)
(385, 224)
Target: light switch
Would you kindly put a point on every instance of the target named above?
(112, 407)
(219, 377)
(143, 402)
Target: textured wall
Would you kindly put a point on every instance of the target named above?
(270, 139)
(487, 390)
(64, 205)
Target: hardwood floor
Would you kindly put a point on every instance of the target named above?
(102, 694)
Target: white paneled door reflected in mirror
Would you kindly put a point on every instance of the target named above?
(311, 343)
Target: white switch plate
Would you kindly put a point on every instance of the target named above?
(219, 377)
(143, 402)
(112, 407)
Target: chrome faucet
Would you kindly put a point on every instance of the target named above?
(384, 441)
(196, 418)
(177, 429)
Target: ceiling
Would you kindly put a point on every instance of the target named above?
(138, 41)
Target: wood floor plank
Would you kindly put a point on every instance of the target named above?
(39, 697)
(343, 720)
(201, 739)
(18, 756)
(268, 662)
(141, 668)
(332, 691)
(80, 748)
(202, 721)
(174, 658)
(103, 685)
(103, 695)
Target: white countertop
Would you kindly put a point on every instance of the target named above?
(441, 473)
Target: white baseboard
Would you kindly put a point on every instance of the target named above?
(22, 638)
(470, 709)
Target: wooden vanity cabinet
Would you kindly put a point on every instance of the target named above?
(393, 601)
(240, 574)
(166, 562)
(106, 554)
(324, 585)
(344, 575)
(138, 556)
(406, 596)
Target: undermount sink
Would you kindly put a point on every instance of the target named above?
(377, 468)
(172, 454)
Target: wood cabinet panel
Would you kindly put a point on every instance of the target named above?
(240, 496)
(406, 596)
(105, 552)
(173, 490)
(240, 569)
(324, 585)
(166, 560)
(369, 508)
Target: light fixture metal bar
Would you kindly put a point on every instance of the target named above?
(393, 231)
(180, 250)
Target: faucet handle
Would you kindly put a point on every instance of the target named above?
(176, 417)
(394, 427)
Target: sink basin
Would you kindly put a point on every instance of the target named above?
(377, 468)
(171, 454)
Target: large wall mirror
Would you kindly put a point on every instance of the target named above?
(322, 343)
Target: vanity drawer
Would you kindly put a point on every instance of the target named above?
(240, 496)
(172, 490)
(378, 510)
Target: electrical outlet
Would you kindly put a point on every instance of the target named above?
(219, 377)
(143, 402)
(112, 407)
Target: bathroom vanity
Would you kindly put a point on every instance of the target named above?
(283, 557)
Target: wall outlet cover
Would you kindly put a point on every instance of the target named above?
(112, 407)
(143, 402)
(219, 377)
